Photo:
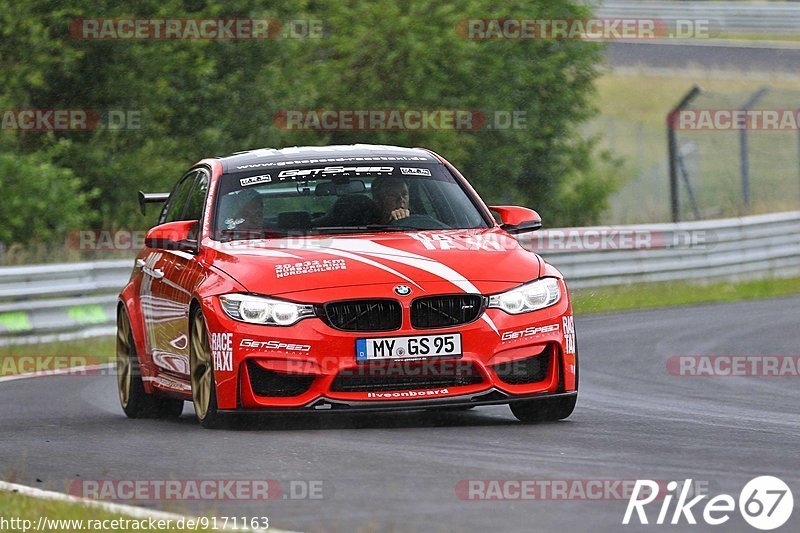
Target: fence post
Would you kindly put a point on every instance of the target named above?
(744, 155)
(672, 146)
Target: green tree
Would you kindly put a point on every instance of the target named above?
(41, 202)
(200, 98)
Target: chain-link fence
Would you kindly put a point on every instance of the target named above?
(719, 155)
(736, 153)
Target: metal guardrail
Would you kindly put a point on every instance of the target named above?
(44, 303)
(734, 249)
(49, 303)
(731, 17)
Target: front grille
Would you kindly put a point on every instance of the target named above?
(364, 315)
(407, 375)
(523, 371)
(444, 311)
(276, 384)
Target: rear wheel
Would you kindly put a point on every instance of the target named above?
(204, 393)
(544, 410)
(134, 400)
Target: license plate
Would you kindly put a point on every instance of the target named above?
(408, 347)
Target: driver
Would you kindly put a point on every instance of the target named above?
(391, 195)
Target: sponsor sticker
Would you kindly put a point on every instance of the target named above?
(353, 159)
(222, 351)
(531, 331)
(303, 172)
(408, 394)
(274, 345)
(255, 180)
(569, 334)
(486, 243)
(309, 267)
(415, 171)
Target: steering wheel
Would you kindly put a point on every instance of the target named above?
(419, 222)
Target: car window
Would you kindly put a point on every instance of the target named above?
(197, 198)
(177, 200)
(331, 199)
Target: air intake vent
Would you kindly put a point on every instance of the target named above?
(364, 315)
(444, 311)
(277, 384)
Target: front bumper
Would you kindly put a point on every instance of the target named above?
(490, 397)
(312, 367)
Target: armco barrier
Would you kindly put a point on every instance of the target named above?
(764, 18)
(40, 303)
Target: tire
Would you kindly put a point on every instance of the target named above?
(135, 402)
(544, 410)
(201, 367)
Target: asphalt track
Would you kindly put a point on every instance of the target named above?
(744, 57)
(398, 471)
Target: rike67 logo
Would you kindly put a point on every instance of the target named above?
(766, 503)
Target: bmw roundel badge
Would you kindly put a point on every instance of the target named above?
(402, 290)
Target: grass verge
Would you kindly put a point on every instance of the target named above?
(57, 355)
(655, 295)
(22, 513)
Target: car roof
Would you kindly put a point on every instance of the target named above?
(311, 155)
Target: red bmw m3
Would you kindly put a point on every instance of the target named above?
(341, 278)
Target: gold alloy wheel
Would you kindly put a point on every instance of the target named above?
(200, 365)
(124, 354)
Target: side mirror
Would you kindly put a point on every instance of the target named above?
(151, 198)
(173, 236)
(517, 220)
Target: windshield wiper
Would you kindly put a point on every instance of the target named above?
(360, 229)
(250, 234)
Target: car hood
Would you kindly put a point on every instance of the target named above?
(485, 260)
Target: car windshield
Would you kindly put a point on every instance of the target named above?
(342, 199)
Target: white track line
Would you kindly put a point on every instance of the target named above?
(90, 333)
(115, 508)
(77, 370)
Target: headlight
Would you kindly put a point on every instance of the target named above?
(529, 297)
(262, 310)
